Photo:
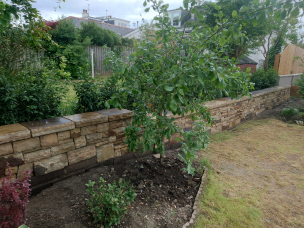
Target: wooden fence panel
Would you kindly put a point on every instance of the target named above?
(100, 55)
(296, 68)
(286, 60)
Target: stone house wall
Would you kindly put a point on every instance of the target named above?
(56, 148)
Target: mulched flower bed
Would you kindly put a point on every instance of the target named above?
(165, 196)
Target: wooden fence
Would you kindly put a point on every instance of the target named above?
(286, 62)
(99, 54)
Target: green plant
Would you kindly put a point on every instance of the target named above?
(300, 83)
(263, 79)
(288, 112)
(109, 202)
(301, 115)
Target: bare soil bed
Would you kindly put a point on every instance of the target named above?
(165, 196)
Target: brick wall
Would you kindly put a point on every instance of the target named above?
(56, 148)
(245, 66)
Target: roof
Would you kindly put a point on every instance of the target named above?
(246, 60)
(115, 28)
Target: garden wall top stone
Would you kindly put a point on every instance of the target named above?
(49, 126)
(87, 119)
(14, 132)
(116, 114)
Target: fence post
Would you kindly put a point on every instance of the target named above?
(92, 63)
(277, 62)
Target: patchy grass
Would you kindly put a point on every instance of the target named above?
(256, 178)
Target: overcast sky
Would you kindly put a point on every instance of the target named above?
(125, 9)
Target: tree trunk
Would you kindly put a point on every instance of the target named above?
(161, 155)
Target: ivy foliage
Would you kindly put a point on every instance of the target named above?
(275, 49)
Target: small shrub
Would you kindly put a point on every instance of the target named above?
(302, 115)
(263, 80)
(288, 112)
(109, 202)
(14, 197)
(300, 83)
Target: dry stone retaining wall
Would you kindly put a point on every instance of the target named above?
(56, 148)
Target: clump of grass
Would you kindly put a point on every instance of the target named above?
(289, 112)
(220, 137)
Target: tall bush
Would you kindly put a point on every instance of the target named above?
(263, 79)
(300, 83)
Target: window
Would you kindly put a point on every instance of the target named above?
(175, 19)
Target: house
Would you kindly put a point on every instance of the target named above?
(246, 62)
(119, 26)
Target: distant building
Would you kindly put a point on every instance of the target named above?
(246, 62)
(119, 26)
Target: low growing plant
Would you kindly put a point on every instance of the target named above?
(300, 83)
(109, 202)
(288, 112)
(14, 197)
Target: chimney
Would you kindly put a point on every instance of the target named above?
(85, 14)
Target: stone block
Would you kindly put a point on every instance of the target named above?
(13, 160)
(49, 126)
(48, 141)
(118, 124)
(101, 143)
(14, 170)
(80, 142)
(27, 145)
(66, 141)
(102, 127)
(124, 150)
(117, 153)
(37, 155)
(6, 149)
(23, 168)
(88, 130)
(64, 135)
(81, 154)
(119, 132)
(75, 133)
(87, 119)
(62, 148)
(11, 179)
(112, 139)
(50, 164)
(116, 114)
(105, 152)
(94, 138)
(108, 134)
(13, 132)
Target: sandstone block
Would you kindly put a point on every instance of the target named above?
(64, 135)
(66, 141)
(105, 152)
(87, 119)
(103, 127)
(27, 145)
(94, 138)
(88, 130)
(23, 168)
(49, 126)
(119, 132)
(81, 154)
(15, 159)
(6, 149)
(117, 153)
(112, 139)
(80, 142)
(50, 164)
(48, 141)
(37, 155)
(11, 179)
(101, 143)
(118, 124)
(13, 170)
(62, 148)
(116, 114)
(75, 133)
(13, 132)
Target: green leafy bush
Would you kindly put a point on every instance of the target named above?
(109, 202)
(288, 112)
(300, 83)
(31, 95)
(264, 79)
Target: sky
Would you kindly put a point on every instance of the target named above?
(125, 9)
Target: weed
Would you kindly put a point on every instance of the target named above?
(288, 112)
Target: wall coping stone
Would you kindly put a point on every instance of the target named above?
(87, 119)
(116, 114)
(13, 132)
(49, 126)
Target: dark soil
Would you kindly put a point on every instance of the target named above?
(293, 102)
(165, 199)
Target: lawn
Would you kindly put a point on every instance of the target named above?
(256, 177)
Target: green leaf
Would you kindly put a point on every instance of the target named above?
(186, 4)
(223, 41)
(221, 14)
(145, 4)
(217, 7)
(134, 69)
(179, 139)
(168, 88)
(173, 105)
(254, 22)
(193, 11)
(200, 17)
(295, 12)
(234, 14)
(283, 15)
(147, 10)
(107, 105)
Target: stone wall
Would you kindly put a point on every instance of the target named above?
(56, 148)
